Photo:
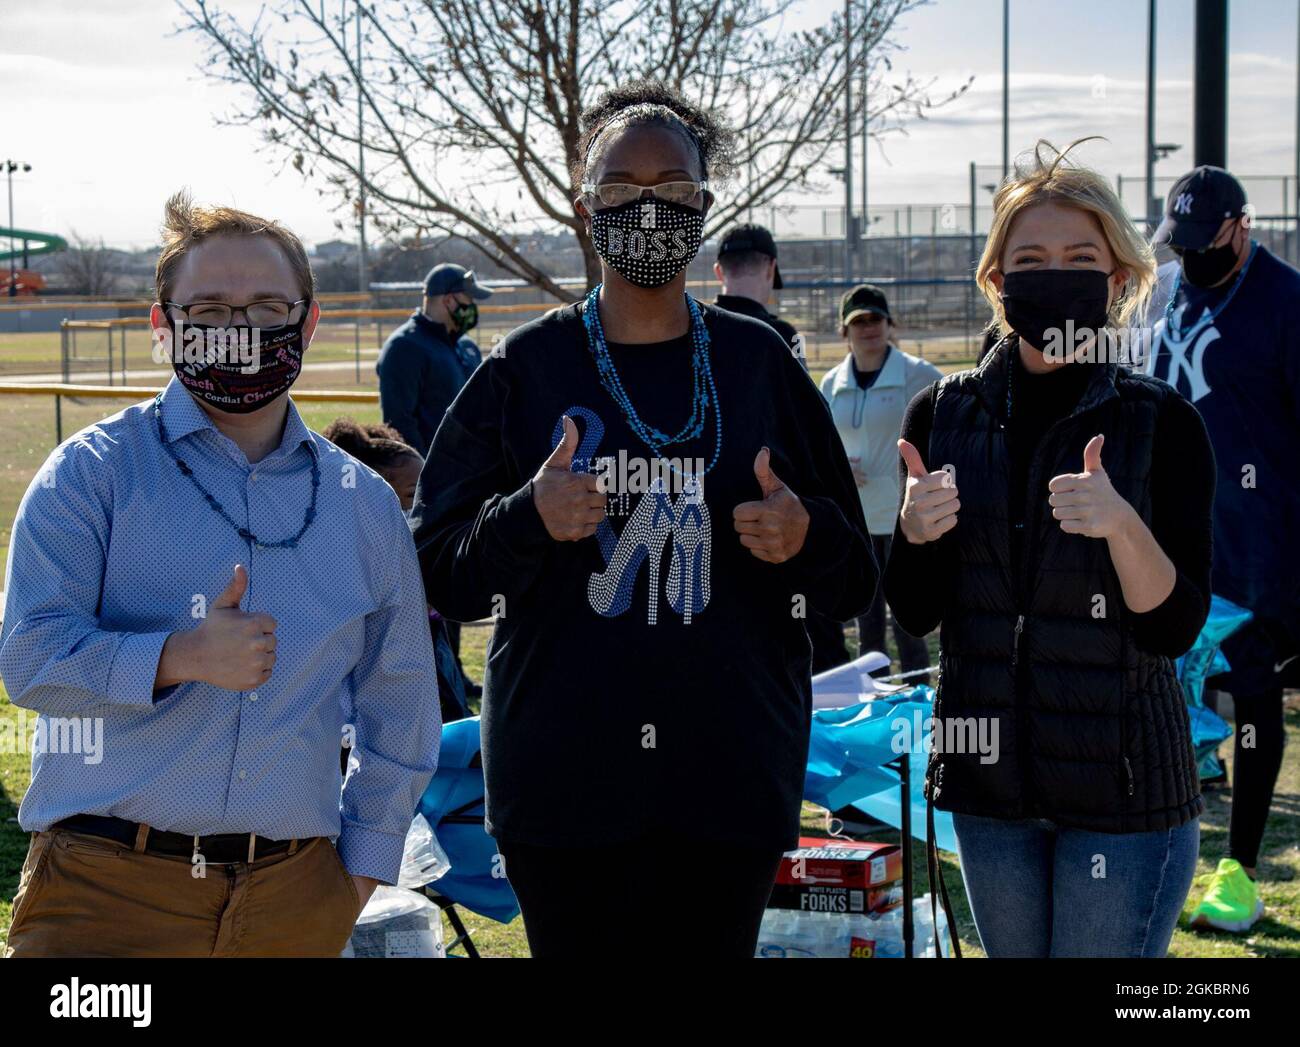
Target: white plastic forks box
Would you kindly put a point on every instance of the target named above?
(839, 876)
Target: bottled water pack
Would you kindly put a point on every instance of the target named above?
(790, 934)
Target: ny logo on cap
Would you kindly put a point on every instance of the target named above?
(1183, 205)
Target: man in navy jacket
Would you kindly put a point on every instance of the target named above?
(1225, 336)
(425, 362)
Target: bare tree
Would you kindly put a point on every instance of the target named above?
(88, 267)
(469, 109)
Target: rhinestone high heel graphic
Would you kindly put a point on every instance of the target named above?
(689, 570)
(610, 591)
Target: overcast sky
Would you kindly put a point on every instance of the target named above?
(110, 108)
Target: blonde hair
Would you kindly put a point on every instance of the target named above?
(1039, 180)
(186, 224)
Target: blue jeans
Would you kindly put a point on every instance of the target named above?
(1038, 890)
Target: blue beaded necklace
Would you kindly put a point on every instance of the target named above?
(1209, 315)
(703, 391)
(244, 532)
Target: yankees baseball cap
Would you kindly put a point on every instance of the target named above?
(449, 278)
(865, 298)
(751, 237)
(1197, 206)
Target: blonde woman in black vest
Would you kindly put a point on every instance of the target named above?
(1056, 527)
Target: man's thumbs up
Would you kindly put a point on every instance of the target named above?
(234, 591)
(562, 456)
(1092, 455)
(767, 480)
(230, 649)
(912, 459)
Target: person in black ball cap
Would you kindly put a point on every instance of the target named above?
(424, 363)
(1223, 335)
(747, 269)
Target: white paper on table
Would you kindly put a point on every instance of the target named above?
(852, 683)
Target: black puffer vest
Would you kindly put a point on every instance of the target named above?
(1092, 732)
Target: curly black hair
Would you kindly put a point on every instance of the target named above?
(376, 445)
(641, 102)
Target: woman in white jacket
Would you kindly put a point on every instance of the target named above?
(868, 393)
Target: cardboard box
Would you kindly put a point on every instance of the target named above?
(839, 876)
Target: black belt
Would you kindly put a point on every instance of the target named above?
(219, 849)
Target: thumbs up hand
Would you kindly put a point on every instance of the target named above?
(1086, 503)
(930, 501)
(570, 504)
(230, 649)
(775, 528)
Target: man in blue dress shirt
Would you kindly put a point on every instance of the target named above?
(214, 591)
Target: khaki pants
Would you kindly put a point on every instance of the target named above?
(83, 896)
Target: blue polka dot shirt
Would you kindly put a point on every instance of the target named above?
(113, 548)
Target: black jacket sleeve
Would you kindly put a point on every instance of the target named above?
(836, 569)
(1183, 477)
(477, 531)
(918, 578)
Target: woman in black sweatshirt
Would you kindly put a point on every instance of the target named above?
(1056, 526)
(648, 495)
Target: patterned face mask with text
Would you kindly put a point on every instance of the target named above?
(647, 242)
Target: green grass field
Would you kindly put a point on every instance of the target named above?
(27, 423)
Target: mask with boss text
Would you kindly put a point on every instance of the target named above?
(647, 242)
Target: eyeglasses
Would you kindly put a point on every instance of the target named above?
(267, 313)
(613, 194)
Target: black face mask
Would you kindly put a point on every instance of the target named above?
(647, 242)
(236, 369)
(1206, 268)
(1047, 306)
(465, 316)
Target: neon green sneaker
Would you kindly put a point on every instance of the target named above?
(1232, 902)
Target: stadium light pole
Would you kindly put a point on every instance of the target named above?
(866, 221)
(1006, 88)
(749, 155)
(10, 167)
(363, 283)
(1210, 106)
(848, 140)
(1148, 210)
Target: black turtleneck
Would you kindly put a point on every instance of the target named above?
(1037, 402)
(918, 577)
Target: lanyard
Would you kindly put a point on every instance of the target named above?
(1209, 315)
